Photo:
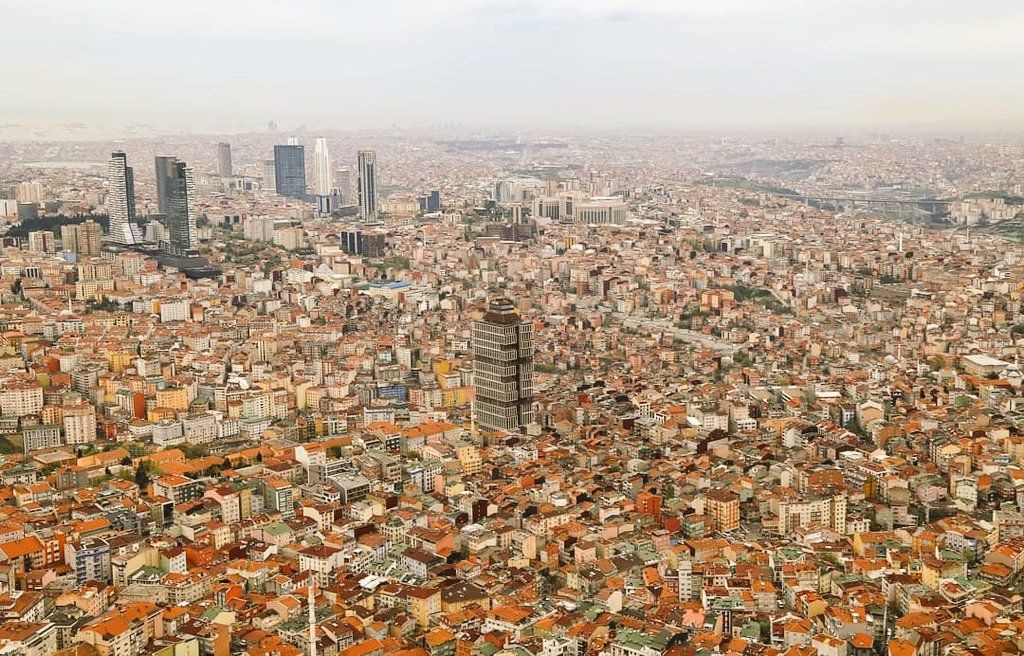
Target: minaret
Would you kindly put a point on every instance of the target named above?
(885, 623)
(312, 618)
(472, 417)
(899, 247)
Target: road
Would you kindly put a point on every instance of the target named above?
(648, 325)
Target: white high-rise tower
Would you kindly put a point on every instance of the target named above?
(121, 200)
(322, 183)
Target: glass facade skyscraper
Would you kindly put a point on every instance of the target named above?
(290, 171)
(181, 214)
(367, 164)
(164, 174)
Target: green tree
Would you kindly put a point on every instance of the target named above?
(142, 476)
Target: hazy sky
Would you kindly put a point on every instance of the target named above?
(227, 65)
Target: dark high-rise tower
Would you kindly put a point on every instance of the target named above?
(290, 171)
(431, 202)
(176, 198)
(503, 368)
(367, 165)
(181, 209)
(164, 173)
(224, 159)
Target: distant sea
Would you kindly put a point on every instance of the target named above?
(66, 165)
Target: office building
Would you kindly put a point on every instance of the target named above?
(343, 184)
(327, 205)
(290, 171)
(269, 175)
(321, 168)
(361, 242)
(431, 202)
(164, 174)
(224, 160)
(121, 201)
(367, 165)
(41, 436)
(601, 210)
(503, 368)
(181, 209)
(28, 211)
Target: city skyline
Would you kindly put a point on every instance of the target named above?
(586, 328)
(517, 393)
(655, 65)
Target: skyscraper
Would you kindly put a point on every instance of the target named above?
(121, 200)
(290, 171)
(181, 214)
(269, 175)
(164, 174)
(321, 168)
(343, 183)
(224, 159)
(367, 164)
(503, 368)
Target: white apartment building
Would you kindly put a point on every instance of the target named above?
(18, 399)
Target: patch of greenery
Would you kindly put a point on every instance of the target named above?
(7, 446)
(397, 262)
(761, 296)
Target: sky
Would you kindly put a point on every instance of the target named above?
(230, 66)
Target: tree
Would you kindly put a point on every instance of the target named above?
(193, 451)
(142, 476)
